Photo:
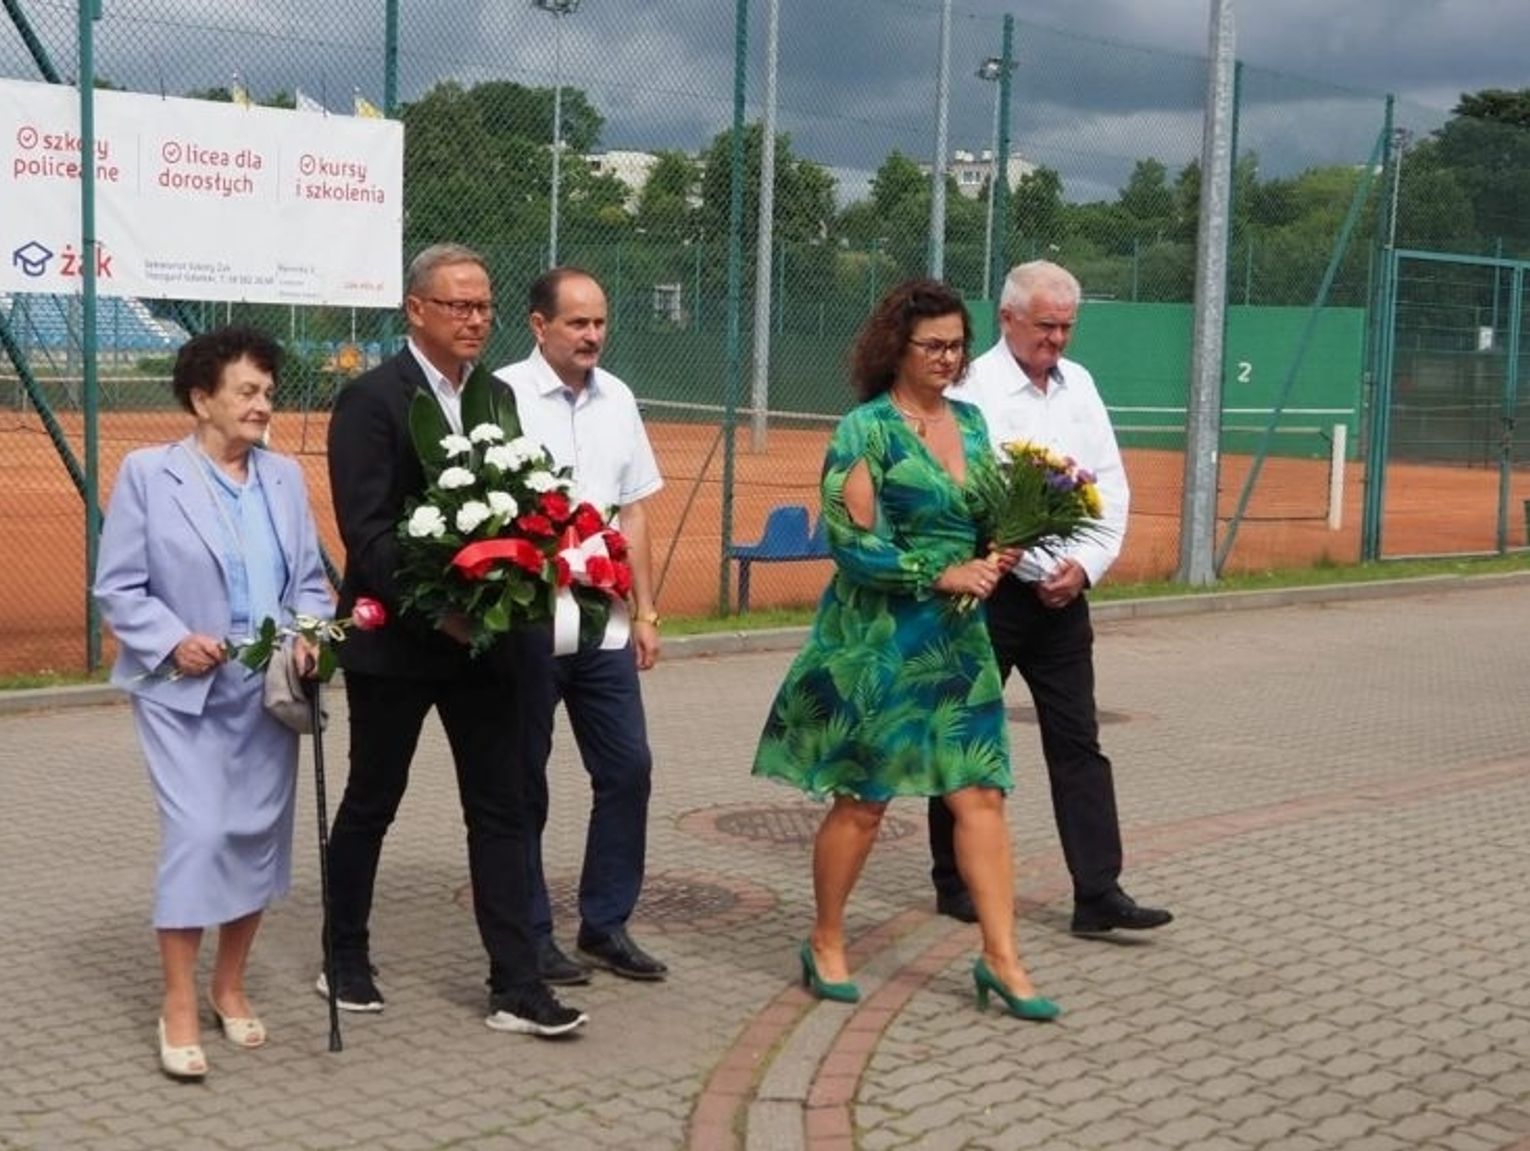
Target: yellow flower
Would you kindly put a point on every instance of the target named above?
(1092, 502)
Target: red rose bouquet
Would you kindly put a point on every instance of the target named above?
(496, 537)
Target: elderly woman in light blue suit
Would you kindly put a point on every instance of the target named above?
(204, 539)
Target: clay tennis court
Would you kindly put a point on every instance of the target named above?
(1429, 510)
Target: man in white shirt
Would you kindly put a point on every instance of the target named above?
(1039, 619)
(588, 420)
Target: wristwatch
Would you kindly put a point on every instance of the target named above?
(647, 617)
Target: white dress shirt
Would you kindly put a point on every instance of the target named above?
(448, 393)
(1070, 418)
(597, 431)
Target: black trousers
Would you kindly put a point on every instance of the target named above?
(1053, 650)
(485, 717)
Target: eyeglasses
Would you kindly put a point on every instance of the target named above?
(938, 349)
(465, 309)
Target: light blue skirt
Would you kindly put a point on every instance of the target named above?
(225, 785)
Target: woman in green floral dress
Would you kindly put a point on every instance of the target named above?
(897, 691)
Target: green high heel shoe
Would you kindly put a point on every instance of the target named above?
(846, 992)
(1036, 1008)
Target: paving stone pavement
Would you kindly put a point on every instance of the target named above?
(1332, 796)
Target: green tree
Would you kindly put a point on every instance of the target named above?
(665, 206)
(804, 191)
(1486, 148)
(1036, 211)
(1147, 197)
(478, 169)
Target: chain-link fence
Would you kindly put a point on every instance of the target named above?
(1100, 172)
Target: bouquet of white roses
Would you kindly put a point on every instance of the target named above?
(496, 538)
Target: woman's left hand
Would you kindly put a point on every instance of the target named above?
(305, 657)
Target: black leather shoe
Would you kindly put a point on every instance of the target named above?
(557, 967)
(619, 955)
(1115, 909)
(956, 904)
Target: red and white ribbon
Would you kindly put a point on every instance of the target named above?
(566, 608)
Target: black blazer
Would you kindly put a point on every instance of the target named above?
(373, 469)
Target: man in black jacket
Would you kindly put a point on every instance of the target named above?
(395, 674)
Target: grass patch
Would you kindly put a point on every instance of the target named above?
(35, 679)
(1324, 573)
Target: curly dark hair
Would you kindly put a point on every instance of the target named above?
(200, 362)
(883, 338)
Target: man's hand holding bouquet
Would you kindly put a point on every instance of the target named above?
(1038, 499)
(496, 541)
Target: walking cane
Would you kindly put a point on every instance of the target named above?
(316, 713)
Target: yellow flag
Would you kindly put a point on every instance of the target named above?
(365, 107)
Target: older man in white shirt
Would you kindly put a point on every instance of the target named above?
(1039, 619)
(588, 420)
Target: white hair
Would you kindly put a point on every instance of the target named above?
(1025, 280)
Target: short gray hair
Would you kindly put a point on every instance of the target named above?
(432, 259)
(1025, 280)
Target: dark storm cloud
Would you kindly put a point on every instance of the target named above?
(1100, 84)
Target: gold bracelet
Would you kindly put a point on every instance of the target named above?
(648, 617)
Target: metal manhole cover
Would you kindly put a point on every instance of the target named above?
(669, 902)
(1025, 714)
(791, 826)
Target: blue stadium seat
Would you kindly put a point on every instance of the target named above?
(786, 539)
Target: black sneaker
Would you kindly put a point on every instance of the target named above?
(355, 989)
(532, 1011)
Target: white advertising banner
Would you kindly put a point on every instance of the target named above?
(197, 200)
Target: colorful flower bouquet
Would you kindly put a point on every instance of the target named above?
(1038, 500)
(497, 540)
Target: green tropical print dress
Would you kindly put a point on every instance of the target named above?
(896, 691)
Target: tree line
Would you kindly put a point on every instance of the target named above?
(478, 169)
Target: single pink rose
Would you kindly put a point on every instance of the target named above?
(368, 614)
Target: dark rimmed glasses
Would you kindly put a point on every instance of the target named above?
(464, 309)
(939, 349)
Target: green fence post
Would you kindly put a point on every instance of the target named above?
(35, 47)
(90, 11)
(1510, 405)
(1383, 317)
(735, 370)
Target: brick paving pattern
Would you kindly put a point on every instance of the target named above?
(1332, 795)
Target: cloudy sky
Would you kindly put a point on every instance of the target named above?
(1099, 83)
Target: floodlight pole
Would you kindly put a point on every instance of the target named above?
(759, 394)
(559, 9)
(992, 70)
(1401, 137)
(1203, 412)
(938, 169)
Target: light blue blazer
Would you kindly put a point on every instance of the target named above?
(161, 575)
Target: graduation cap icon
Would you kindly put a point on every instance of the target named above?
(32, 258)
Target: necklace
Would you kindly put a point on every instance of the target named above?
(920, 422)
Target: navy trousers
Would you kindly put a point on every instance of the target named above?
(600, 693)
(486, 718)
(1053, 650)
